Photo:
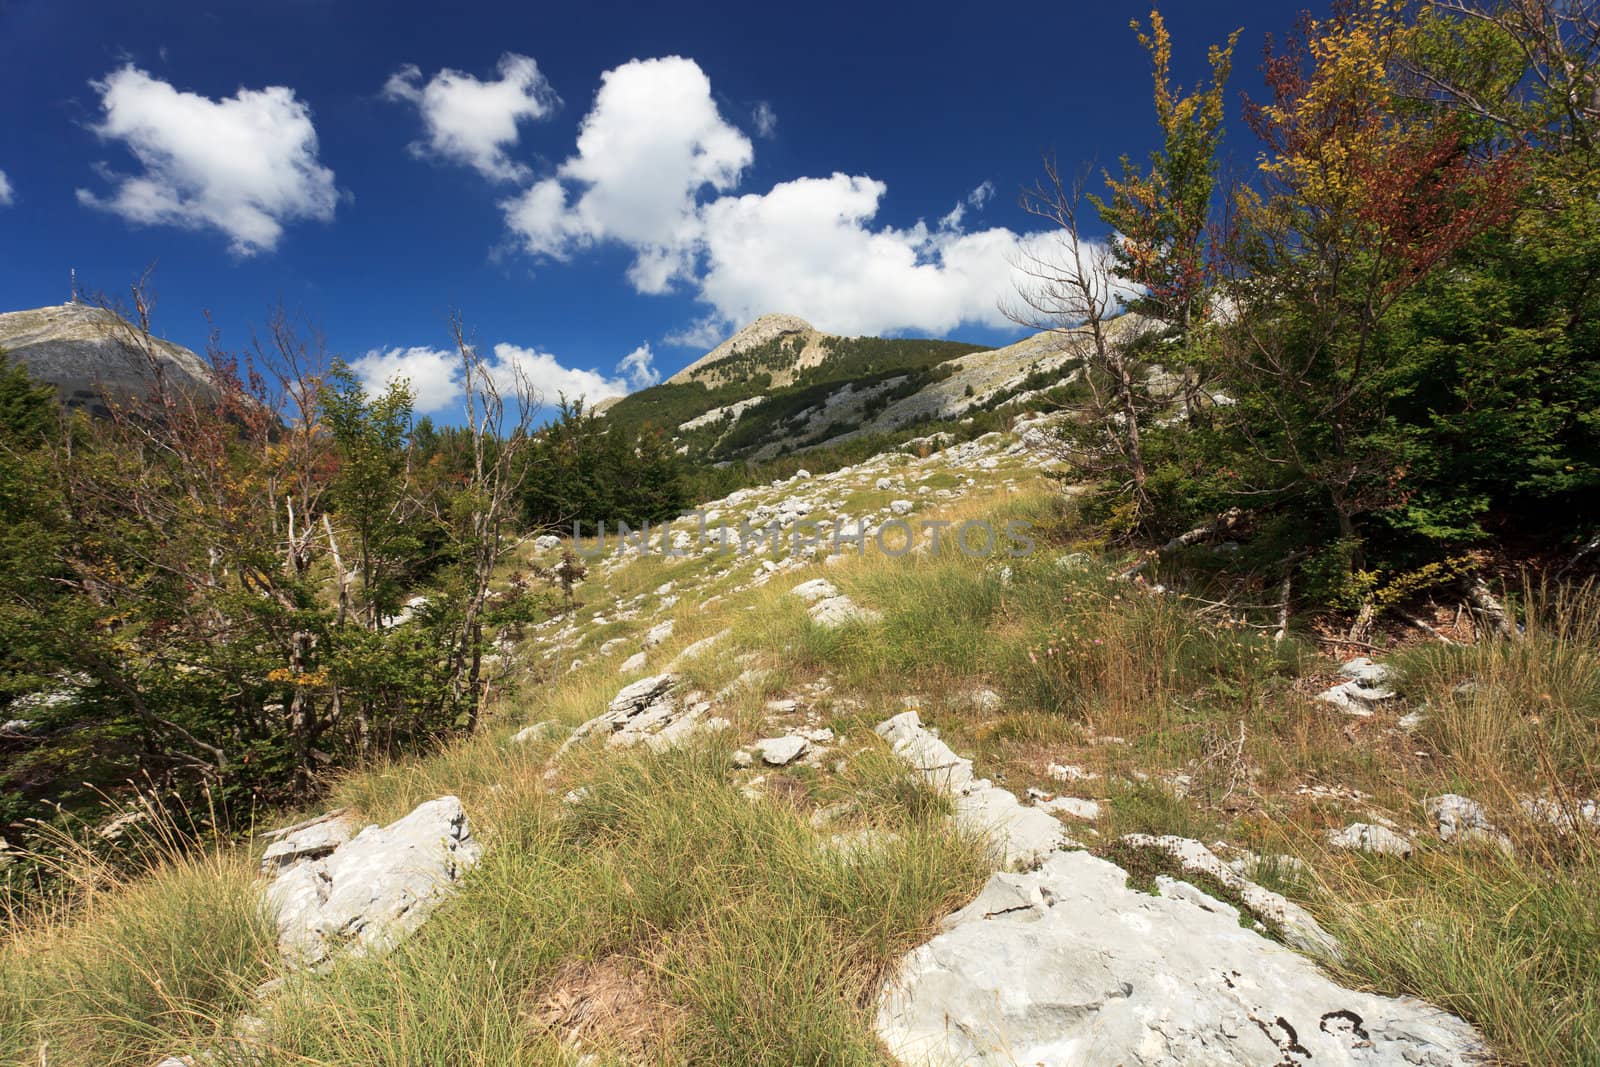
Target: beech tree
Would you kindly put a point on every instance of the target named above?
(1161, 214)
(1360, 200)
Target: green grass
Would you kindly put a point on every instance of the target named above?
(1525, 713)
(752, 941)
(135, 970)
(668, 918)
(1508, 942)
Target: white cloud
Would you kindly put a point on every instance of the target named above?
(639, 366)
(7, 197)
(434, 375)
(975, 199)
(549, 378)
(765, 118)
(652, 142)
(474, 122)
(244, 165)
(808, 247)
(706, 332)
(656, 170)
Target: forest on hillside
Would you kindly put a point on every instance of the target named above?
(900, 365)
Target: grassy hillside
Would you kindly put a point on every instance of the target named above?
(900, 366)
(676, 908)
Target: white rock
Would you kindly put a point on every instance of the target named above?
(657, 634)
(1364, 692)
(901, 507)
(538, 731)
(635, 662)
(698, 649)
(1369, 837)
(1370, 674)
(648, 712)
(814, 590)
(1021, 836)
(1459, 818)
(1070, 966)
(1412, 721)
(781, 751)
(545, 542)
(915, 744)
(985, 699)
(1069, 773)
(1073, 808)
(1298, 927)
(837, 611)
(1564, 815)
(406, 613)
(308, 840)
(375, 888)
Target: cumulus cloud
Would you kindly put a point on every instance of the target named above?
(808, 247)
(474, 122)
(765, 118)
(7, 197)
(549, 378)
(706, 332)
(435, 375)
(244, 165)
(639, 366)
(656, 170)
(650, 145)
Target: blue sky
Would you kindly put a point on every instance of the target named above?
(603, 190)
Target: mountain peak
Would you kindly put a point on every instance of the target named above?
(756, 333)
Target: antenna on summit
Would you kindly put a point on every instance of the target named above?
(74, 273)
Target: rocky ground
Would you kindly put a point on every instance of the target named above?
(1087, 944)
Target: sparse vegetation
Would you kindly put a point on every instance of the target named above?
(259, 615)
(667, 915)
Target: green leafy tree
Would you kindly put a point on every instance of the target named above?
(1161, 213)
(588, 469)
(1362, 199)
(371, 488)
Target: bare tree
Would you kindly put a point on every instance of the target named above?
(498, 437)
(1071, 288)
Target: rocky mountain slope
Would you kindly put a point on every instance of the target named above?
(90, 354)
(780, 386)
(728, 795)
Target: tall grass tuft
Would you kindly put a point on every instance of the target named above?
(1506, 940)
(135, 968)
(1525, 712)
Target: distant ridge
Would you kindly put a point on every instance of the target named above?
(85, 352)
